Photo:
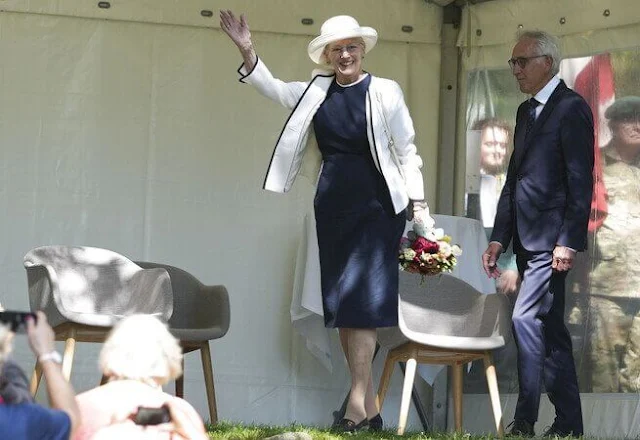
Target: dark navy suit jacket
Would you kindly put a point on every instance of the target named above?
(546, 199)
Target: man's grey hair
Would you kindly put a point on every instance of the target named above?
(547, 45)
(140, 347)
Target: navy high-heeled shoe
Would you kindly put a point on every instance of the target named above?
(375, 423)
(348, 425)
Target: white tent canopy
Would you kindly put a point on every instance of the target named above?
(126, 128)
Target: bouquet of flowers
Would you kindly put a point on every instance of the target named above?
(427, 250)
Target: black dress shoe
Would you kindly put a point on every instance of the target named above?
(521, 428)
(375, 423)
(347, 425)
(554, 431)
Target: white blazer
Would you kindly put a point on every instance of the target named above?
(389, 130)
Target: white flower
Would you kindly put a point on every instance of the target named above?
(456, 251)
(427, 258)
(434, 234)
(408, 254)
(445, 249)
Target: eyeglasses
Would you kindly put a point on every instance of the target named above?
(522, 62)
(351, 48)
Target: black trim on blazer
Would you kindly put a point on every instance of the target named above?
(264, 183)
(373, 136)
(242, 77)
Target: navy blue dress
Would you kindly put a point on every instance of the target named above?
(358, 230)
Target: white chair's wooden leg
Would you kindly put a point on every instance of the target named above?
(494, 394)
(69, 351)
(456, 378)
(407, 390)
(389, 363)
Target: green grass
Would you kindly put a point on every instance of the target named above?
(228, 431)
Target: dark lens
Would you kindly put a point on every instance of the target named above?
(152, 416)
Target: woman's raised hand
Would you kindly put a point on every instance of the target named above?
(236, 29)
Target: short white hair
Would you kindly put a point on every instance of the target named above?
(547, 45)
(140, 347)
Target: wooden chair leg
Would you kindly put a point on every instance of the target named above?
(457, 395)
(407, 390)
(180, 382)
(69, 351)
(494, 394)
(36, 377)
(389, 363)
(207, 369)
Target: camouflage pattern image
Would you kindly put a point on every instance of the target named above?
(613, 322)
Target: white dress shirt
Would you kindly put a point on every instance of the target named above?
(543, 95)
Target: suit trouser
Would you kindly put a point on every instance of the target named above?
(544, 344)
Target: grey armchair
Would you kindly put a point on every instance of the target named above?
(446, 321)
(84, 291)
(200, 313)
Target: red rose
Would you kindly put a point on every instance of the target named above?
(420, 244)
(432, 247)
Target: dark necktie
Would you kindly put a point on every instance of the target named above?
(531, 117)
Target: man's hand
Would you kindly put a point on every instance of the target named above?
(40, 334)
(563, 258)
(508, 282)
(489, 259)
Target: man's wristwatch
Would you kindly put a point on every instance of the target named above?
(53, 356)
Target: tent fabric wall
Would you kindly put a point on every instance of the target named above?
(488, 30)
(133, 134)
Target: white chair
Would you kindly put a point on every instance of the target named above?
(446, 321)
(84, 291)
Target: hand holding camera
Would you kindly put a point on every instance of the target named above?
(17, 321)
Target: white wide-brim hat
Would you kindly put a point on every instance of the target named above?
(339, 28)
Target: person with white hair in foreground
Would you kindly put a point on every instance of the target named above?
(139, 356)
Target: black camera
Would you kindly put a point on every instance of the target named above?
(17, 321)
(152, 416)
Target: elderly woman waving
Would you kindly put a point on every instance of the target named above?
(370, 174)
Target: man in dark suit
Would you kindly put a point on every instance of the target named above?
(544, 208)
